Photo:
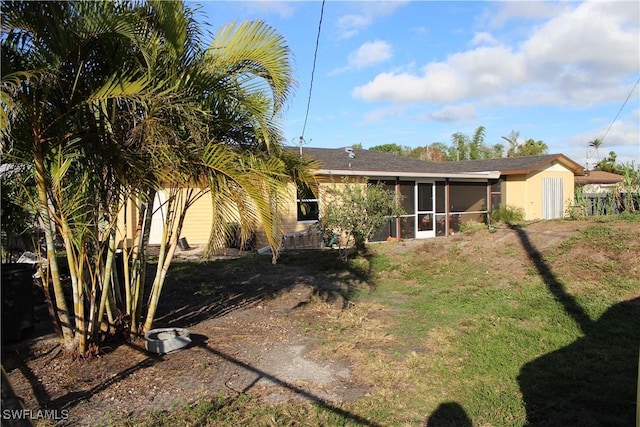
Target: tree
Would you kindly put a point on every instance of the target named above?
(531, 148)
(389, 148)
(512, 140)
(435, 152)
(460, 146)
(608, 164)
(476, 146)
(105, 103)
(595, 144)
(355, 211)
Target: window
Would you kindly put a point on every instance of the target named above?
(496, 193)
(307, 204)
(467, 196)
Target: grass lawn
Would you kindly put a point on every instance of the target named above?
(489, 329)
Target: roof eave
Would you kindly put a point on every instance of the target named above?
(355, 172)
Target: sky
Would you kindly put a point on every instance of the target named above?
(414, 73)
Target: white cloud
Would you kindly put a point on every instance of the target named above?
(467, 75)
(351, 24)
(483, 38)
(369, 53)
(582, 56)
(524, 10)
(450, 114)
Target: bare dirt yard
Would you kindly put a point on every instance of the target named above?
(249, 323)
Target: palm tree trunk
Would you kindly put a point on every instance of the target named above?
(75, 271)
(163, 267)
(106, 283)
(139, 264)
(61, 309)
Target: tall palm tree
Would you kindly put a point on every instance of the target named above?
(109, 102)
(596, 143)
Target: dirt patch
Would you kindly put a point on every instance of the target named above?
(245, 338)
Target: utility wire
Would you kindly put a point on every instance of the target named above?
(621, 108)
(313, 70)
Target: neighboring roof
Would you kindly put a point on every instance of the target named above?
(336, 161)
(599, 177)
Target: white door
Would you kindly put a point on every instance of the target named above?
(552, 198)
(425, 202)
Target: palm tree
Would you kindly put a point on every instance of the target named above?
(58, 70)
(512, 139)
(476, 146)
(596, 143)
(109, 102)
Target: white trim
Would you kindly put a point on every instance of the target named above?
(415, 175)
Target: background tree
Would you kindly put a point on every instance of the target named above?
(608, 164)
(512, 140)
(389, 148)
(531, 147)
(435, 152)
(595, 144)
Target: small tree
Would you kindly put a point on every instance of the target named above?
(355, 211)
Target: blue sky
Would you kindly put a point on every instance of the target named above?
(414, 73)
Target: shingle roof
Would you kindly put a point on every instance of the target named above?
(517, 165)
(599, 177)
(377, 161)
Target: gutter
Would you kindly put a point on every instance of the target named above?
(467, 175)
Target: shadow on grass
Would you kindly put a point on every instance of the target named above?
(198, 291)
(449, 414)
(592, 381)
(201, 341)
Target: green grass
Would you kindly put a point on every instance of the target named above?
(451, 333)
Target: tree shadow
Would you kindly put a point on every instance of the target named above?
(201, 341)
(199, 291)
(592, 381)
(449, 414)
(73, 398)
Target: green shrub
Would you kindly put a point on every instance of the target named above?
(508, 214)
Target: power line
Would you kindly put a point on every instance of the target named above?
(313, 70)
(621, 108)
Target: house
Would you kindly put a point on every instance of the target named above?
(437, 197)
(598, 181)
(597, 192)
(543, 186)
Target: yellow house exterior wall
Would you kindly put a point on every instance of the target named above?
(198, 221)
(516, 191)
(526, 190)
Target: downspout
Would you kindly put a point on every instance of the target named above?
(447, 208)
(489, 206)
(398, 195)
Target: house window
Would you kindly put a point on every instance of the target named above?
(307, 204)
(496, 193)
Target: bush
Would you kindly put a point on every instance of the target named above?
(508, 214)
(356, 211)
